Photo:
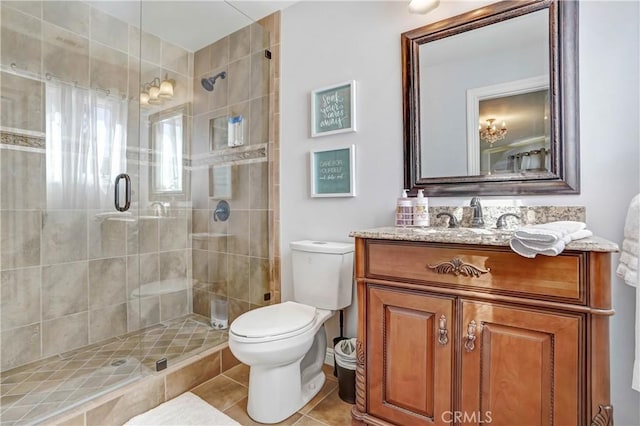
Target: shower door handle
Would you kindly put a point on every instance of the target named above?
(127, 189)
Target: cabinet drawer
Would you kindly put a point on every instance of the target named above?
(486, 269)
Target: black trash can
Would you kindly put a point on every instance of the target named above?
(345, 356)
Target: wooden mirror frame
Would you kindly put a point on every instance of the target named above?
(564, 178)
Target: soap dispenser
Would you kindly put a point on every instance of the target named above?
(421, 210)
(404, 210)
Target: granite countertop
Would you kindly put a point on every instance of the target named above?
(477, 236)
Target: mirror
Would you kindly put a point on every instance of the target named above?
(491, 101)
(169, 133)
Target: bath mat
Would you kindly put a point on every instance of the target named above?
(185, 410)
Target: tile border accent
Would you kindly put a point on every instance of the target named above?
(22, 140)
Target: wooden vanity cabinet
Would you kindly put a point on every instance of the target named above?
(446, 336)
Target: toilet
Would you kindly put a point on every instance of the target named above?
(285, 344)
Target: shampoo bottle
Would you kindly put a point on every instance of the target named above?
(404, 210)
(421, 210)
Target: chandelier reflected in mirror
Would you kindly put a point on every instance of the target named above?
(491, 133)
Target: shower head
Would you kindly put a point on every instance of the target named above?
(209, 82)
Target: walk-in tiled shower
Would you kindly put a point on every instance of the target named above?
(91, 297)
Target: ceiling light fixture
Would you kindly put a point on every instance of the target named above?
(490, 133)
(423, 6)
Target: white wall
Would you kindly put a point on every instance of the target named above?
(331, 42)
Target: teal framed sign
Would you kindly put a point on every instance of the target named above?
(333, 172)
(333, 109)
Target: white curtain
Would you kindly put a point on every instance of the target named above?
(86, 146)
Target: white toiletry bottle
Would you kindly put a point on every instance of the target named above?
(421, 210)
(404, 210)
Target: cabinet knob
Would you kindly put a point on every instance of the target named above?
(470, 338)
(443, 339)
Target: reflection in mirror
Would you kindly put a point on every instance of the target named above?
(169, 133)
(490, 101)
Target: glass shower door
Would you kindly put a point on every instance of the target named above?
(69, 260)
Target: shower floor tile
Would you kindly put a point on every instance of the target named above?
(50, 386)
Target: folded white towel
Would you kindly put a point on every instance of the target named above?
(549, 232)
(548, 239)
(628, 266)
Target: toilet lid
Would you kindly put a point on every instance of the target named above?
(274, 320)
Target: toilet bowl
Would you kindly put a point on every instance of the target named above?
(285, 344)
(286, 362)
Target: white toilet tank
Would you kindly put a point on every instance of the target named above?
(322, 273)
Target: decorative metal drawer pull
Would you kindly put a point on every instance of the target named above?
(442, 331)
(470, 338)
(457, 267)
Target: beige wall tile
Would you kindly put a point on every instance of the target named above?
(27, 97)
(107, 238)
(109, 68)
(20, 40)
(107, 282)
(173, 233)
(20, 303)
(259, 38)
(259, 75)
(259, 186)
(151, 48)
(239, 80)
(19, 346)
(65, 333)
(65, 288)
(173, 264)
(202, 61)
(19, 239)
(65, 54)
(109, 30)
(239, 277)
(191, 376)
(240, 188)
(71, 15)
(148, 394)
(238, 241)
(64, 236)
(142, 312)
(259, 234)
(134, 44)
(107, 322)
(259, 124)
(239, 44)
(200, 259)
(218, 268)
(30, 7)
(145, 231)
(258, 280)
(201, 303)
(174, 305)
(23, 181)
(175, 58)
(237, 308)
(220, 53)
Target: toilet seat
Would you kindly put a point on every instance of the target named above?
(274, 322)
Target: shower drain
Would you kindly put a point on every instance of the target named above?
(118, 362)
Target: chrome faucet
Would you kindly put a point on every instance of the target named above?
(159, 208)
(476, 221)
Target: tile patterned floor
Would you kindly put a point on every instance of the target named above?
(33, 392)
(228, 393)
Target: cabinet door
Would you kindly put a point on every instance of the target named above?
(520, 367)
(408, 359)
